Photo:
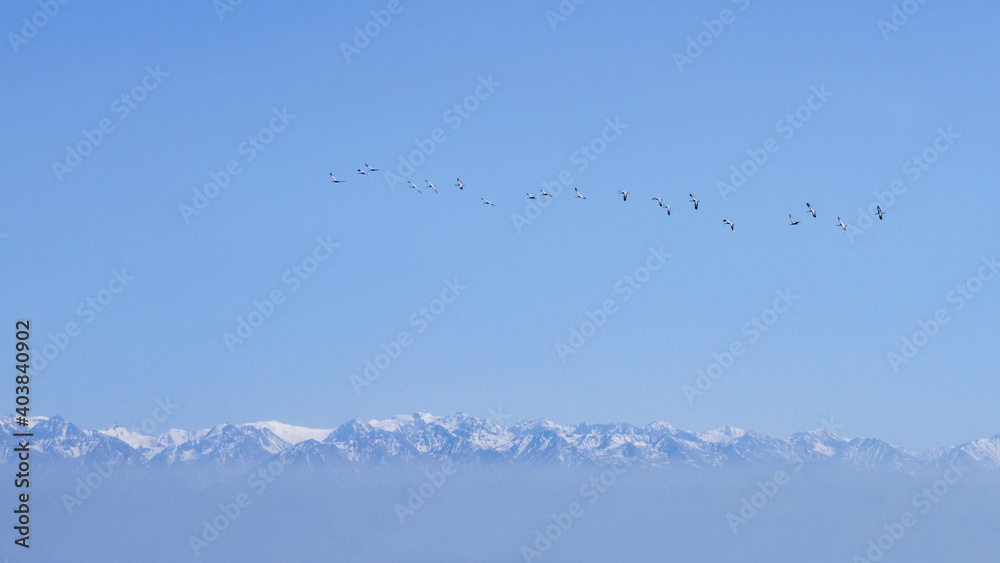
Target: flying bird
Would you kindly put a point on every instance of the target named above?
(531, 196)
(335, 180)
(486, 201)
(728, 222)
(460, 185)
(431, 186)
(878, 208)
(370, 169)
(695, 200)
(660, 201)
(414, 186)
(362, 172)
(546, 193)
(578, 194)
(811, 210)
(624, 195)
(842, 225)
(794, 222)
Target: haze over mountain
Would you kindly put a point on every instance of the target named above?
(374, 490)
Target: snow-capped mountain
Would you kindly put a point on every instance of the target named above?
(424, 437)
(59, 440)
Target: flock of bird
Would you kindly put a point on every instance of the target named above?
(792, 222)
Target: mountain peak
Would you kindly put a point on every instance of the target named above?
(723, 435)
(464, 438)
(292, 434)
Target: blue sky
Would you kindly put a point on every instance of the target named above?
(201, 89)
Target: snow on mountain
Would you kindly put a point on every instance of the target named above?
(60, 439)
(226, 443)
(150, 446)
(723, 435)
(985, 452)
(131, 438)
(426, 438)
(396, 422)
(293, 434)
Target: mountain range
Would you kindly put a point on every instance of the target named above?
(424, 438)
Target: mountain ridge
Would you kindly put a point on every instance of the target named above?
(423, 437)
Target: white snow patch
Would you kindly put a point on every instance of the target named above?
(394, 423)
(824, 449)
(293, 434)
(722, 435)
(133, 439)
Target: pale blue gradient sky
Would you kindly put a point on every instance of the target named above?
(495, 345)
